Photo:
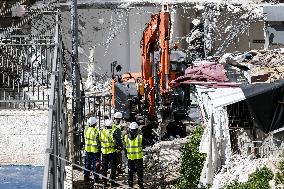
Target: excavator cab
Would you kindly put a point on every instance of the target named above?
(179, 94)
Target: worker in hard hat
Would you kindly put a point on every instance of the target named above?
(117, 117)
(133, 147)
(110, 143)
(117, 129)
(92, 147)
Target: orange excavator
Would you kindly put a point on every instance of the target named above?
(158, 28)
(151, 93)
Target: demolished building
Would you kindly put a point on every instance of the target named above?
(105, 26)
(241, 104)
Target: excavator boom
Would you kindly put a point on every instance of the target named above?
(156, 31)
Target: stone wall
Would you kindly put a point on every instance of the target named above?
(23, 137)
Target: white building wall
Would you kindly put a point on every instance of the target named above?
(138, 20)
(116, 35)
(23, 137)
(96, 28)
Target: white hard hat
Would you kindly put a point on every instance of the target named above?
(133, 125)
(118, 115)
(108, 123)
(92, 120)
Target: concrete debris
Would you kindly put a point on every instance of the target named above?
(259, 66)
(163, 158)
(270, 63)
(238, 168)
(98, 84)
(268, 58)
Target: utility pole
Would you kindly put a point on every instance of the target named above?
(76, 92)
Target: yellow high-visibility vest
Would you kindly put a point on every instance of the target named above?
(114, 127)
(134, 147)
(91, 144)
(107, 141)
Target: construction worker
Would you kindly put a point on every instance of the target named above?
(133, 149)
(117, 129)
(92, 147)
(110, 143)
(117, 117)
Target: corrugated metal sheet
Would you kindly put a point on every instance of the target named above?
(220, 97)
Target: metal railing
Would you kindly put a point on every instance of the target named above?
(99, 105)
(57, 123)
(25, 72)
(32, 76)
(26, 57)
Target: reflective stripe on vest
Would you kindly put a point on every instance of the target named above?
(90, 135)
(134, 147)
(107, 141)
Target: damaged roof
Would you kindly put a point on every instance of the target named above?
(264, 96)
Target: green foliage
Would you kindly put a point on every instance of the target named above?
(257, 180)
(279, 176)
(191, 161)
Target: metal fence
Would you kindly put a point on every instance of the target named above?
(25, 72)
(34, 67)
(99, 105)
(26, 57)
(57, 125)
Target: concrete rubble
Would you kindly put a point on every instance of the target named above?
(238, 168)
(163, 159)
(268, 62)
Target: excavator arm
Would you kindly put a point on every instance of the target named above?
(157, 30)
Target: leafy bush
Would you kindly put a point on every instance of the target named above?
(279, 176)
(191, 161)
(257, 180)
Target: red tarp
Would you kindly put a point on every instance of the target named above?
(209, 74)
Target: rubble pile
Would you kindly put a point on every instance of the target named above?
(238, 169)
(268, 58)
(163, 160)
(258, 66)
(268, 62)
(98, 84)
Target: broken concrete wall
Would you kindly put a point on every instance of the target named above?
(264, 145)
(23, 137)
(246, 138)
(116, 33)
